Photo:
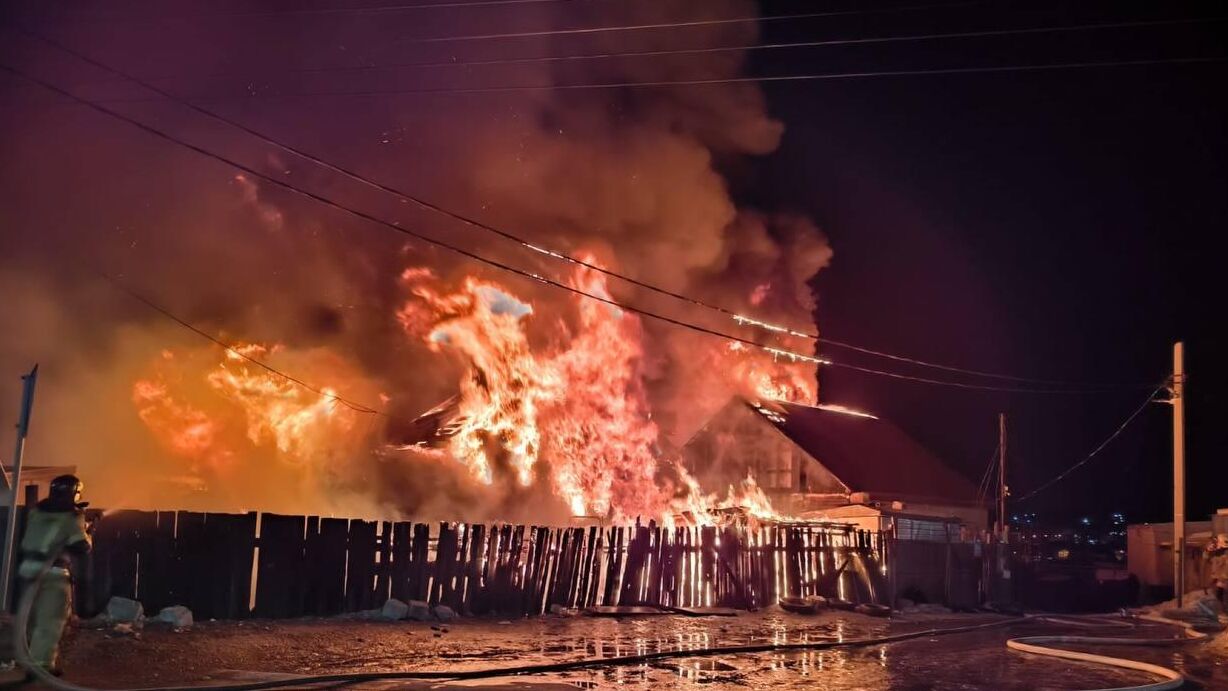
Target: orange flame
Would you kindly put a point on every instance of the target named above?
(236, 426)
(574, 414)
(568, 414)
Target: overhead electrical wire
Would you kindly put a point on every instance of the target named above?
(387, 9)
(983, 487)
(739, 318)
(716, 49)
(829, 76)
(378, 9)
(777, 352)
(727, 80)
(1116, 432)
(686, 24)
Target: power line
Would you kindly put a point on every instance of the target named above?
(830, 76)
(381, 9)
(720, 49)
(777, 352)
(1099, 448)
(741, 319)
(983, 486)
(238, 352)
(677, 25)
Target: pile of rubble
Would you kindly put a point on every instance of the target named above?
(414, 610)
(126, 616)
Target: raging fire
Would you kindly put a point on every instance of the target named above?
(558, 403)
(231, 426)
(574, 413)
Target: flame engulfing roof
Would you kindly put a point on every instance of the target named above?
(866, 453)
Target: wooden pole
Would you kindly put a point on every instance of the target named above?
(1002, 525)
(1178, 401)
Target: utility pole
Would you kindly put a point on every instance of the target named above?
(1178, 401)
(10, 528)
(1002, 526)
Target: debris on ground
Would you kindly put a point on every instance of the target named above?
(122, 609)
(419, 611)
(1204, 613)
(124, 629)
(394, 610)
(177, 616)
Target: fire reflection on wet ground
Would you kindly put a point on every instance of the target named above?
(222, 650)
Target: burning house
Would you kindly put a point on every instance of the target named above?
(830, 462)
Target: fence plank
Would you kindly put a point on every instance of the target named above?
(280, 582)
(325, 551)
(360, 566)
(613, 587)
(633, 574)
(237, 554)
(402, 550)
(383, 566)
(475, 567)
(156, 547)
(419, 575)
(516, 565)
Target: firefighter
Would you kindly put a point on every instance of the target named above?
(57, 528)
(1216, 555)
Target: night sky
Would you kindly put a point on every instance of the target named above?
(1061, 225)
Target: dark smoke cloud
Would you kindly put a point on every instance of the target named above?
(634, 175)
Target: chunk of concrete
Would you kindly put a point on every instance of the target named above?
(445, 613)
(121, 609)
(177, 616)
(419, 611)
(394, 610)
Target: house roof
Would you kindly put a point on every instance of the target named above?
(867, 454)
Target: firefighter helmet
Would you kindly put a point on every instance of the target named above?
(66, 487)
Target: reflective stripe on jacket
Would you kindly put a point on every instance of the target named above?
(48, 532)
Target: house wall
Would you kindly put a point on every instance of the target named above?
(976, 518)
(1149, 553)
(737, 441)
(40, 476)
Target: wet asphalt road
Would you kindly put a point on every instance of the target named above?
(214, 652)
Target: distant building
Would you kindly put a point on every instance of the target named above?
(1149, 554)
(38, 475)
(830, 462)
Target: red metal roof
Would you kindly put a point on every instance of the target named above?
(867, 454)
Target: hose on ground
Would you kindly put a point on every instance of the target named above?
(1033, 644)
(1171, 678)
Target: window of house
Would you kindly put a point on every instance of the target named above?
(927, 531)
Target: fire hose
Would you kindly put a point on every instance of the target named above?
(1040, 645)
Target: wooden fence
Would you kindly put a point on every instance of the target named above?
(229, 566)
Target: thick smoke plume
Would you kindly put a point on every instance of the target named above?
(153, 416)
